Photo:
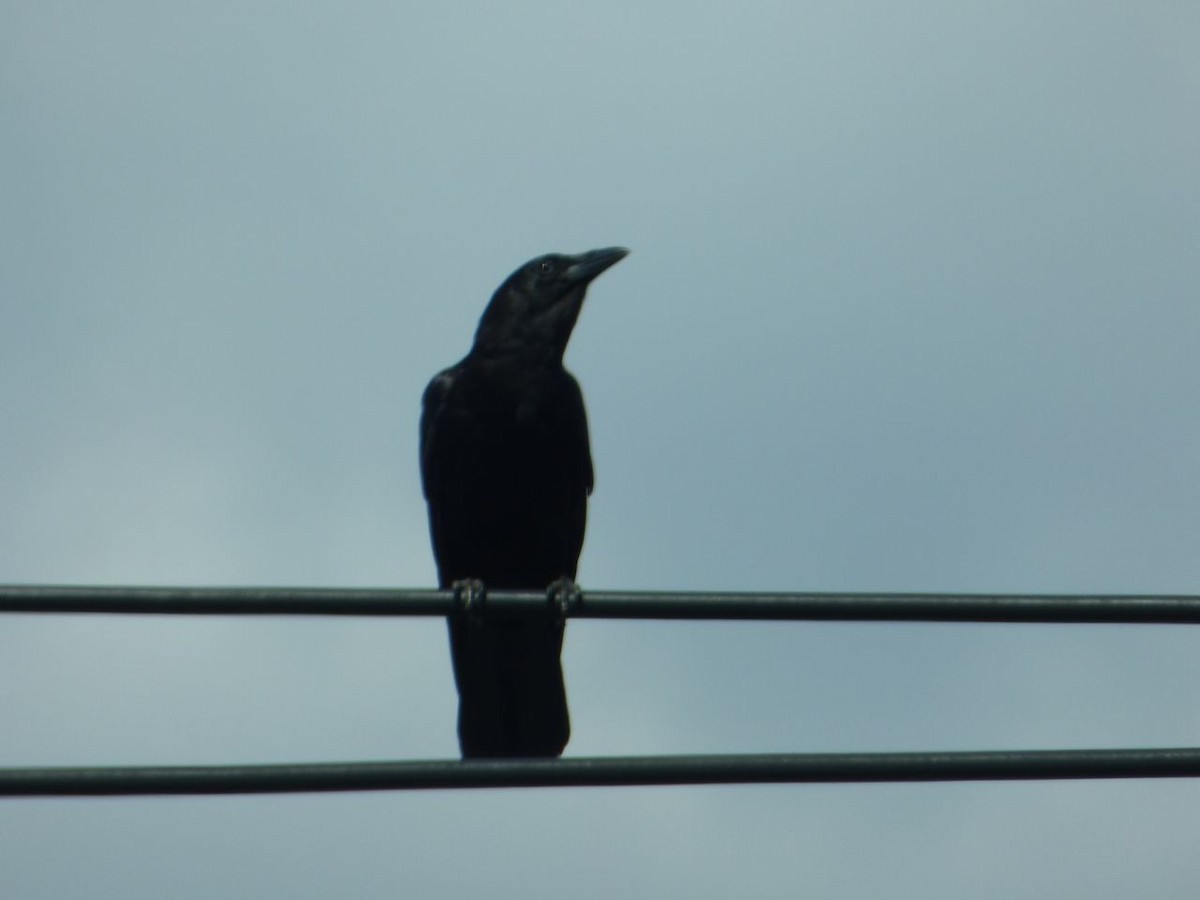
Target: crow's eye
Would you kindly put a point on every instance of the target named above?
(546, 267)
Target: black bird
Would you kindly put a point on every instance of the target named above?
(507, 471)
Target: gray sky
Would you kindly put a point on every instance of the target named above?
(911, 306)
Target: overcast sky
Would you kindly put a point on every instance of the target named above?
(912, 306)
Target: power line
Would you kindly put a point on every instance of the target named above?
(1097, 608)
(604, 771)
(611, 771)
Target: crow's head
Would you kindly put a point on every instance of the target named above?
(533, 312)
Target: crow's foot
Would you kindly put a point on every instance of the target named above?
(469, 597)
(564, 597)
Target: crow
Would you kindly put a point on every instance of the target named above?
(507, 469)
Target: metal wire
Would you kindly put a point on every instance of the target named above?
(1165, 609)
(666, 770)
(611, 771)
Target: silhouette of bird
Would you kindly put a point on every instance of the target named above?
(507, 470)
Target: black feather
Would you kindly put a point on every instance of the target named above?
(507, 471)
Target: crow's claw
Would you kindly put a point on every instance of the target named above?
(564, 597)
(469, 597)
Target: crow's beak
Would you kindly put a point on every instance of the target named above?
(587, 266)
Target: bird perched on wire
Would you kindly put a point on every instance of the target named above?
(507, 470)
